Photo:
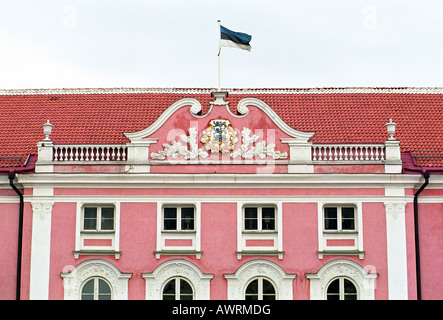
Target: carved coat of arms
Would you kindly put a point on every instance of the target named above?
(219, 136)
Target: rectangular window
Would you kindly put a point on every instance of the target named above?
(339, 218)
(98, 218)
(178, 218)
(259, 218)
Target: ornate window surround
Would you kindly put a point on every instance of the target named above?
(73, 280)
(156, 280)
(250, 270)
(362, 279)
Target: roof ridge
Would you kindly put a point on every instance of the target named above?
(128, 90)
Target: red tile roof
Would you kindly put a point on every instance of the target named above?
(336, 115)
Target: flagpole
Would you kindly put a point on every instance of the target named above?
(218, 55)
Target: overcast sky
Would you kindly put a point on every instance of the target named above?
(174, 43)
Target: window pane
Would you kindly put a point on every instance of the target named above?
(268, 288)
(348, 221)
(170, 219)
(251, 222)
(185, 287)
(88, 290)
(252, 287)
(268, 218)
(349, 287)
(90, 219)
(169, 290)
(252, 291)
(186, 292)
(333, 292)
(330, 218)
(104, 291)
(187, 215)
(107, 219)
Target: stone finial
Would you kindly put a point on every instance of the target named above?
(47, 129)
(390, 126)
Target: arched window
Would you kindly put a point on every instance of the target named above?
(343, 279)
(260, 289)
(260, 279)
(178, 289)
(96, 289)
(341, 289)
(95, 278)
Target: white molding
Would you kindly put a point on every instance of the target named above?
(155, 281)
(232, 91)
(364, 281)
(242, 108)
(140, 135)
(41, 250)
(277, 237)
(260, 268)
(396, 250)
(74, 279)
(341, 201)
(196, 237)
(97, 201)
(122, 180)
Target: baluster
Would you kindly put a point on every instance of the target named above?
(314, 153)
(55, 155)
(86, 154)
(346, 153)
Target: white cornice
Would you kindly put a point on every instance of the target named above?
(232, 91)
(217, 180)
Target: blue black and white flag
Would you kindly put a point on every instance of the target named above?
(229, 38)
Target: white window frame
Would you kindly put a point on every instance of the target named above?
(356, 235)
(341, 287)
(98, 228)
(165, 236)
(259, 217)
(95, 286)
(260, 287)
(178, 218)
(245, 236)
(82, 235)
(177, 287)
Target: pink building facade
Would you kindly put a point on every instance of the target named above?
(218, 196)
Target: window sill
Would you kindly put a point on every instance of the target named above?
(260, 253)
(360, 254)
(179, 231)
(97, 232)
(178, 253)
(97, 252)
(260, 232)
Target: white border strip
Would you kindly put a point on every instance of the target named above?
(61, 91)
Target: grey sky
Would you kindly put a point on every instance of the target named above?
(172, 43)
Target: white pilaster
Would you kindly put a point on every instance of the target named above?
(396, 249)
(40, 250)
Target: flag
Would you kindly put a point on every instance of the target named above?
(229, 38)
